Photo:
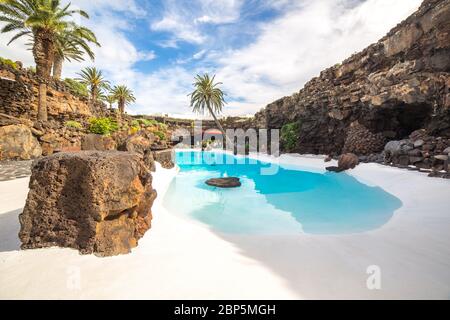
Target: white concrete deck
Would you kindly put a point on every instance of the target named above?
(183, 259)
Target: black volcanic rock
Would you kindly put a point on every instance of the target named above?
(392, 88)
(230, 182)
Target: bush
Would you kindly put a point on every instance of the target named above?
(102, 126)
(73, 124)
(289, 135)
(161, 135)
(134, 129)
(147, 122)
(9, 62)
(162, 126)
(77, 87)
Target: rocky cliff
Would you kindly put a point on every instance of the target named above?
(387, 91)
(19, 97)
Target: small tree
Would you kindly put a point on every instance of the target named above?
(124, 96)
(207, 96)
(94, 80)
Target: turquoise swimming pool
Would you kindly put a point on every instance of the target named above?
(288, 202)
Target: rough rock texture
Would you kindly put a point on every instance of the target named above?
(420, 150)
(392, 88)
(345, 162)
(165, 157)
(19, 97)
(230, 182)
(97, 142)
(96, 202)
(17, 142)
(363, 142)
(141, 144)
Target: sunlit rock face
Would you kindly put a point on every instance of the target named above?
(92, 201)
(392, 88)
(19, 97)
(17, 142)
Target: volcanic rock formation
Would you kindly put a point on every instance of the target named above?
(96, 202)
(392, 88)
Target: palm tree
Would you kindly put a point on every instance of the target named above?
(208, 97)
(124, 96)
(71, 44)
(41, 20)
(94, 80)
(111, 99)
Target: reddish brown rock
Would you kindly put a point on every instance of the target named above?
(346, 161)
(17, 142)
(97, 142)
(165, 158)
(141, 144)
(95, 202)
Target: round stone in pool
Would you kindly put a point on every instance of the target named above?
(231, 182)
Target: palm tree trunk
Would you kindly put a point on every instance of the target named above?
(93, 99)
(57, 67)
(228, 141)
(43, 52)
(121, 107)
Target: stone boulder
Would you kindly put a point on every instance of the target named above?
(97, 142)
(141, 145)
(230, 182)
(165, 158)
(136, 143)
(17, 142)
(92, 201)
(345, 162)
(348, 161)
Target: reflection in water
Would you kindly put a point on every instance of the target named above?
(291, 201)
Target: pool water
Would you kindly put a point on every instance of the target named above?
(289, 202)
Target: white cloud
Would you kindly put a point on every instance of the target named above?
(181, 29)
(199, 55)
(184, 19)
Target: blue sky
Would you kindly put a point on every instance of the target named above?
(261, 50)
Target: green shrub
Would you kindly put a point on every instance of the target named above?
(161, 135)
(9, 62)
(289, 135)
(148, 122)
(162, 126)
(77, 87)
(102, 126)
(73, 124)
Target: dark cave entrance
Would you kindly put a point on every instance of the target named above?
(399, 121)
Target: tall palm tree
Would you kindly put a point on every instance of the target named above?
(41, 20)
(94, 80)
(71, 44)
(124, 96)
(207, 96)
